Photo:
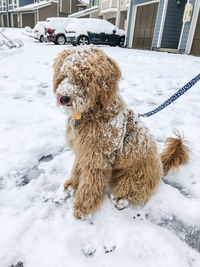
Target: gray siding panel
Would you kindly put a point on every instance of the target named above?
(47, 12)
(186, 31)
(158, 23)
(173, 24)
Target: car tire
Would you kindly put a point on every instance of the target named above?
(121, 42)
(83, 40)
(41, 39)
(60, 40)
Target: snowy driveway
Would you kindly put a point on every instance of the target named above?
(37, 227)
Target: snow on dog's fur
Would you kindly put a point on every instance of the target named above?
(110, 147)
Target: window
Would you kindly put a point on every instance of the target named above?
(94, 2)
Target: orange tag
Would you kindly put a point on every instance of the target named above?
(77, 116)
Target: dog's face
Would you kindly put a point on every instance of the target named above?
(84, 76)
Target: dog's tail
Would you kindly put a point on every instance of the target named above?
(175, 153)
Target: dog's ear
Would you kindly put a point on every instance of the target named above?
(58, 76)
(110, 83)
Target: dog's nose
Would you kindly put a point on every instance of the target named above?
(64, 100)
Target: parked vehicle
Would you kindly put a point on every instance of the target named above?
(39, 31)
(95, 31)
(56, 29)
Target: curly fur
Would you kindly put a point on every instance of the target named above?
(175, 153)
(110, 147)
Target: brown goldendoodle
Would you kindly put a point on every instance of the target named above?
(110, 146)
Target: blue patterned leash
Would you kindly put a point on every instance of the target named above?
(175, 96)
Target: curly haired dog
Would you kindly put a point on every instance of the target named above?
(111, 148)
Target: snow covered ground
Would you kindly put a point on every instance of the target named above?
(37, 227)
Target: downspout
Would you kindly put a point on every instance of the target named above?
(70, 6)
(58, 8)
(7, 14)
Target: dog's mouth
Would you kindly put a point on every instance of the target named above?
(63, 100)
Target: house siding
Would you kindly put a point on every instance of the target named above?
(158, 24)
(47, 12)
(65, 6)
(186, 31)
(173, 24)
(74, 6)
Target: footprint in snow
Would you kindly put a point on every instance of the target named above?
(139, 216)
(19, 264)
(109, 249)
(88, 250)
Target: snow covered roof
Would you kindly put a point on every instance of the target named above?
(84, 12)
(33, 6)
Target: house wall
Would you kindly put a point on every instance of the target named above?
(123, 17)
(173, 24)
(74, 6)
(15, 20)
(1, 20)
(64, 6)
(158, 24)
(105, 4)
(5, 20)
(96, 15)
(47, 12)
(186, 30)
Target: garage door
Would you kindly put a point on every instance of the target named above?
(28, 20)
(5, 21)
(196, 42)
(15, 22)
(144, 26)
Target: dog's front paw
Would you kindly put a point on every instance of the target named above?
(68, 186)
(79, 212)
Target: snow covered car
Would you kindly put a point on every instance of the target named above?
(95, 31)
(39, 31)
(56, 29)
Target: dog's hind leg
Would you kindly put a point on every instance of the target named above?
(133, 185)
(73, 182)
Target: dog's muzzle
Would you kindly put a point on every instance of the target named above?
(63, 100)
